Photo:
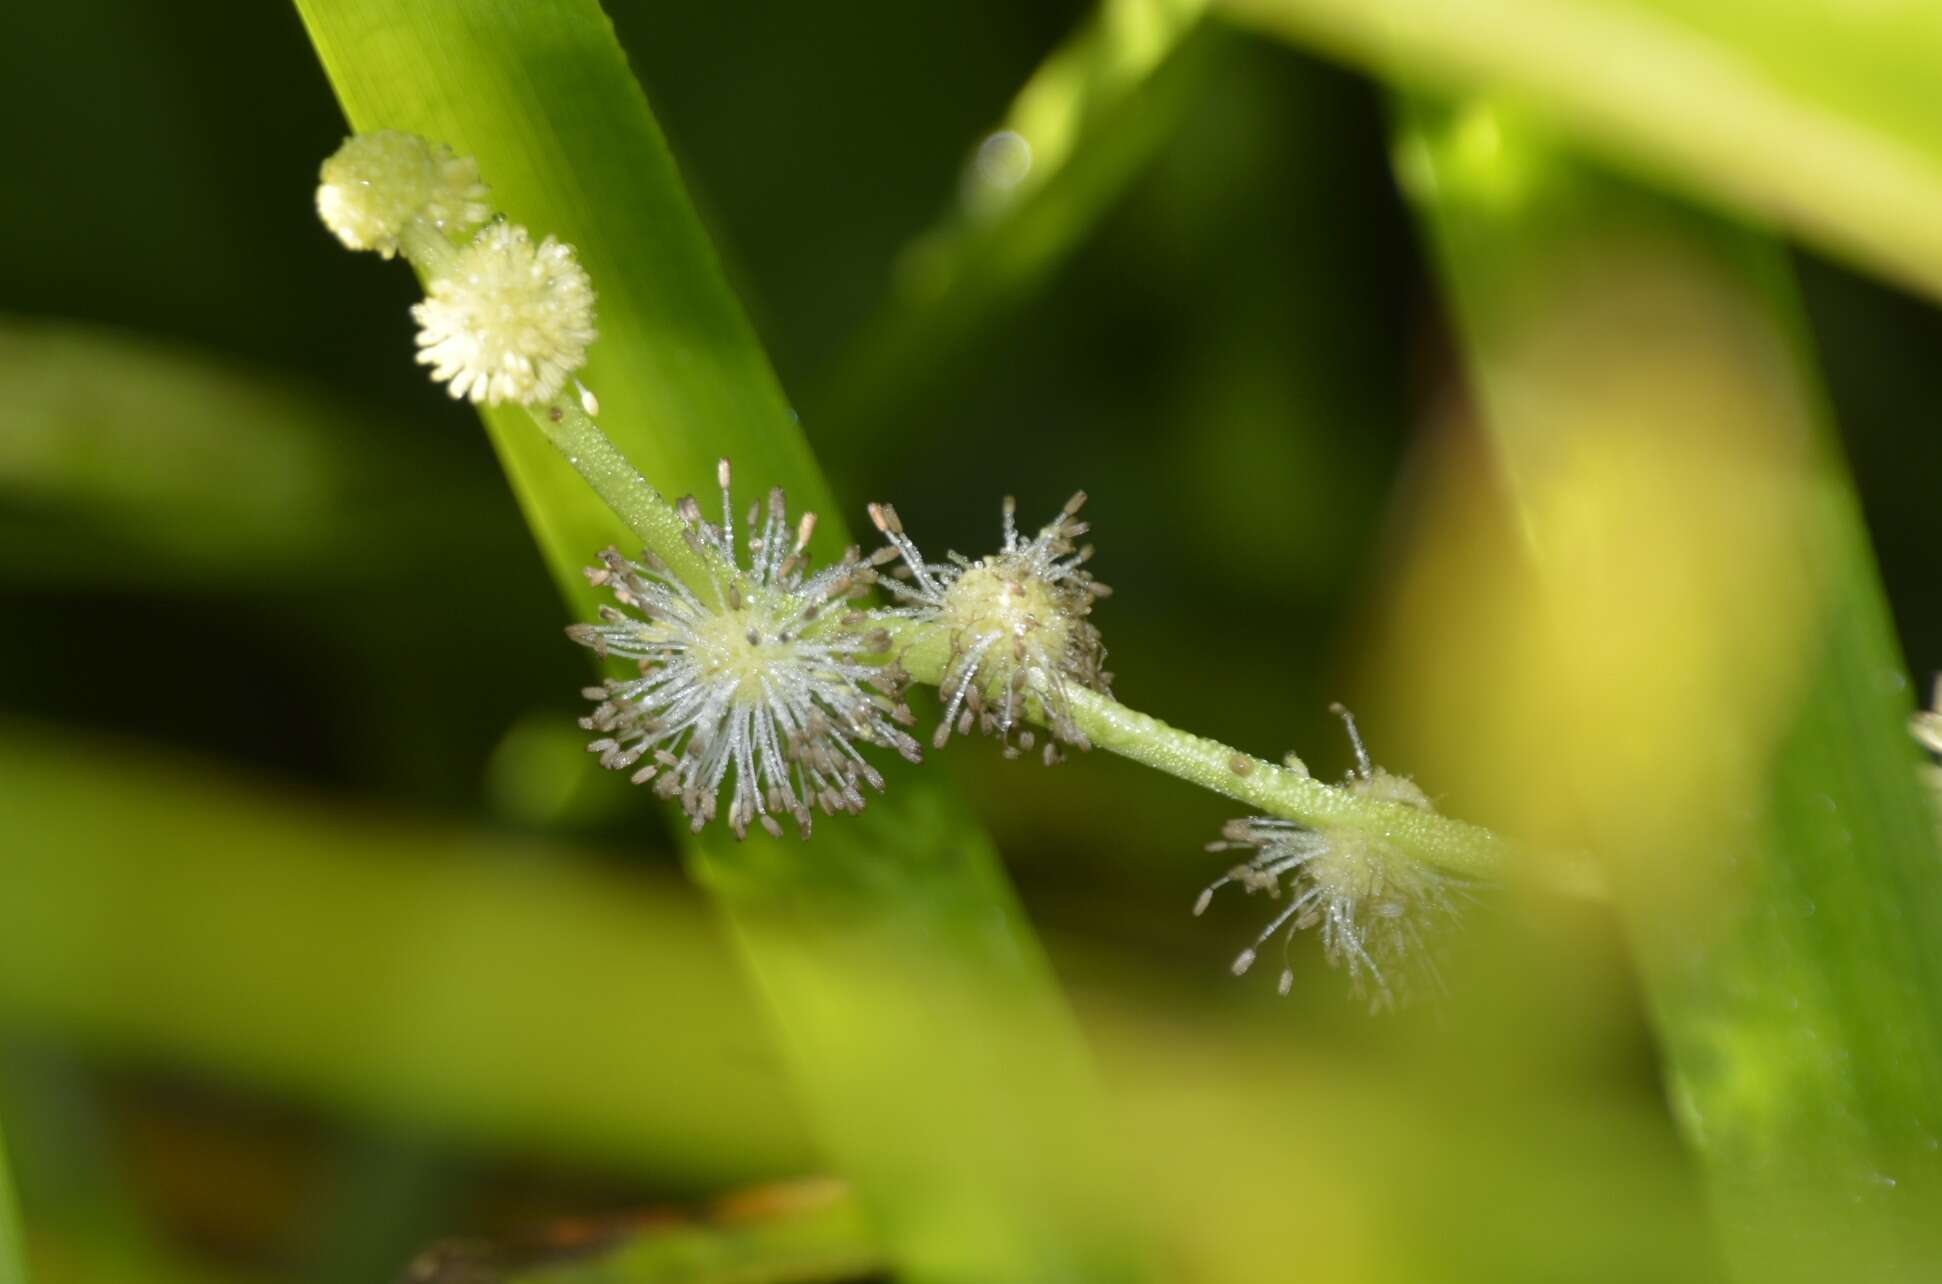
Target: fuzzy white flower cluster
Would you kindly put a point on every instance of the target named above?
(504, 319)
(374, 186)
(1374, 904)
(765, 683)
(509, 320)
(1018, 627)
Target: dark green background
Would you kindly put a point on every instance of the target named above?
(1234, 364)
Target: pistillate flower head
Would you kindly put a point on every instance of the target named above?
(373, 186)
(509, 321)
(1017, 622)
(1373, 902)
(763, 676)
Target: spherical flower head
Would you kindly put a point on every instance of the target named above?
(1375, 904)
(373, 186)
(510, 321)
(764, 683)
(1017, 622)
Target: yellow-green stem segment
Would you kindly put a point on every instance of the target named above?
(621, 487)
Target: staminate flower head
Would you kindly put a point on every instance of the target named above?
(763, 676)
(1017, 626)
(509, 321)
(1374, 903)
(373, 186)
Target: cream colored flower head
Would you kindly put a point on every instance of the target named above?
(509, 321)
(373, 186)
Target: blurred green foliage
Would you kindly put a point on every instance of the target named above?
(287, 707)
(1654, 402)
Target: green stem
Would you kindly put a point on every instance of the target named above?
(1284, 790)
(621, 487)
(427, 249)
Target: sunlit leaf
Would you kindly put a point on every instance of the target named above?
(913, 1004)
(1818, 115)
(489, 986)
(1698, 677)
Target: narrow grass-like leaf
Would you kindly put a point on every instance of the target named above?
(1079, 132)
(1815, 114)
(122, 457)
(916, 1010)
(1710, 662)
(488, 987)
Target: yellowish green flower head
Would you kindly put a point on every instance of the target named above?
(374, 186)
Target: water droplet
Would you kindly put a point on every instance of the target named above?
(1003, 160)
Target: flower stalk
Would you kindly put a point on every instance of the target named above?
(646, 512)
(760, 682)
(924, 649)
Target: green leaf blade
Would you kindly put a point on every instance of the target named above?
(938, 1063)
(1766, 838)
(1779, 109)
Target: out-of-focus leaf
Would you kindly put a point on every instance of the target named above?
(930, 1044)
(808, 1232)
(263, 939)
(1285, 1154)
(72, 1256)
(13, 1245)
(1082, 128)
(124, 458)
(490, 986)
(1700, 678)
(1820, 115)
(88, 1223)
